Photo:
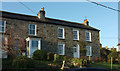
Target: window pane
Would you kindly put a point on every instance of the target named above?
(33, 32)
(32, 29)
(87, 36)
(60, 33)
(2, 29)
(34, 43)
(60, 49)
(88, 50)
(3, 23)
(2, 26)
(75, 36)
(30, 26)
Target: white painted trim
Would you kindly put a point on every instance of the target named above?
(77, 34)
(78, 51)
(89, 35)
(62, 48)
(35, 30)
(63, 34)
(90, 51)
(30, 45)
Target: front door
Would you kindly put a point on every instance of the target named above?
(76, 51)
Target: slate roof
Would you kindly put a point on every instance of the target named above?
(47, 20)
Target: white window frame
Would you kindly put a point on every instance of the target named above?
(77, 48)
(90, 51)
(3, 26)
(89, 36)
(34, 46)
(63, 34)
(76, 34)
(63, 52)
(33, 29)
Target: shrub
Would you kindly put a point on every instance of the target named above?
(76, 62)
(7, 63)
(59, 57)
(40, 55)
(22, 62)
(104, 54)
(50, 56)
(119, 58)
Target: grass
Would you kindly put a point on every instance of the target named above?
(104, 65)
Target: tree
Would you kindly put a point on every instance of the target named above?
(9, 44)
(114, 55)
(118, 57)
(104, 53)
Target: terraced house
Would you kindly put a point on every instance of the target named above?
(52, 35)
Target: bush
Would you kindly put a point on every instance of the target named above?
(119, 58)
(23, 62)
(6, 63)
(50, 56)
(59, 57)
(40, 55)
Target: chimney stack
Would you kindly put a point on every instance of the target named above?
(41, 14)
(85, 22)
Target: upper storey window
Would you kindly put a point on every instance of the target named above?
(88, 36)
(61, 33)
(32, 29)
(75, 35)
(2, 26)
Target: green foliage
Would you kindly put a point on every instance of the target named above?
(119, 57)
(50, 56)
(59, 57)
(112, 54)
(104, 53)
(78, 62)
(40, 55)
(23, 62)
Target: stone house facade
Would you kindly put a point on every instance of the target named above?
(52, 35)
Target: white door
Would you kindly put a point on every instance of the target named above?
(76, 51)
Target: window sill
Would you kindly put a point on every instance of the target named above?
(32, 35)
(76, 39)
(61, 38)
(88, 41)
(61, 54)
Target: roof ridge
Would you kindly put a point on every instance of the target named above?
(34, 18)
(17, 13)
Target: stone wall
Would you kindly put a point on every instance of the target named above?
(18, 29)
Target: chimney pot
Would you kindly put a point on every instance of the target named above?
(41, 14)
(85, 22)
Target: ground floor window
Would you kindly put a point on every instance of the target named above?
(76, 51)
(61, 49)
(89, 51)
